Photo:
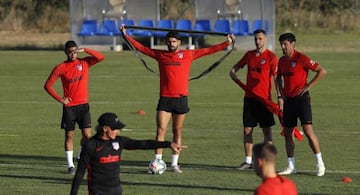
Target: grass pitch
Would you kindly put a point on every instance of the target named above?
(32, 157)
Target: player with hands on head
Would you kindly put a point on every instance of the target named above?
(293, 70)
(74, 75)
(174, 67)
(101, 156)
(261, 73)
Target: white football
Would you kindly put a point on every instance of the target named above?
(157, 166)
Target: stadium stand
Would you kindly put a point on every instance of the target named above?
(184, 24)
(201, 25)
(145, 33)
(108, 27)
(88, 28)
(222, 25)
(127, 22)
(240, 27)
(261, 24)
(165, 23)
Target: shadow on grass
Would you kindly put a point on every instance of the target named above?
(186, 186)
(32, 47)
(30, 160)
(45, 178)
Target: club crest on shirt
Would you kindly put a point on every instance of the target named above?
(116, 145)
(293, 64)
(180, 55)
(79, 67)
(262, 61)
(312, 62)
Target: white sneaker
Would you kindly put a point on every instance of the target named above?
(320, 170)
(287, 171)
(176, 169)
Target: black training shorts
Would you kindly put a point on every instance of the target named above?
(297, 107)
(174, 105)
(79, 114)
(255, 112)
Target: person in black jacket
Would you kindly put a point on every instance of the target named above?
(101, 155)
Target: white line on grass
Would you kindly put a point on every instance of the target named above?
(8, 135)
(196, 166)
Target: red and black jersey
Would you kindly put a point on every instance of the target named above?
(74, 77)
(294, 71)
(261, 66)
(102, 158)
(174, 67)
(278, 185)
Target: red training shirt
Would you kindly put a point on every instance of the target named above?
(74, 77)
(294, 71)
(276, 186)
(174, 67)
(260, 69)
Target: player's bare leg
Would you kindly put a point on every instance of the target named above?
(267, 135)
(290, 147)
(178, 122)
(162, 121)
(248, 144)
(69, 150)
(315, 147)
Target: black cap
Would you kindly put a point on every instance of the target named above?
(111, 120)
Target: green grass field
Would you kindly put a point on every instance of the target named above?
(32, 157)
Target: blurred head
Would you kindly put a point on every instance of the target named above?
(264, 154)
(260, 39)
(173, 41)
(287, 43)
(109, 125)
(71, 50)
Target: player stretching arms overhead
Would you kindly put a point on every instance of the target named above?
(174, 66)
(74, 73)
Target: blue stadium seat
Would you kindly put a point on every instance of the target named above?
(127, 22)
(88, 28)
(202, 25)
(222, 25)
(165, 23)
(261, 24)
(184, 24)
(108, 27)
(144, 23)
(240, 27)
(145, 33)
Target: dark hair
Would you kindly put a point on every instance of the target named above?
(287, 37)
(173, 34)
(265, 151)
(70, 44)
(259, 31)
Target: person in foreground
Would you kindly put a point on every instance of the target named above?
(174, 67)
(74, 74)
(101, 155)
(264, 160)
(294, 89)
(261, 73)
